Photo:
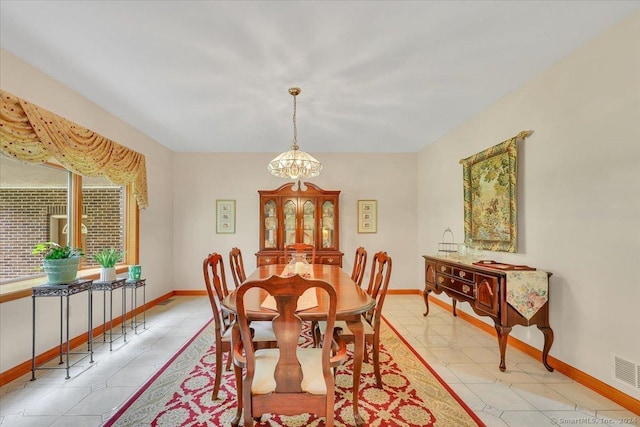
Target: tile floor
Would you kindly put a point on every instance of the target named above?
(464, 356)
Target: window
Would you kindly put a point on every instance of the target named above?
(103, 210)
(36, 205)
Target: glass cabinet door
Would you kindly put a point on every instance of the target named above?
(328, 230)
(270, 225)
(289, 210)
(309, 222)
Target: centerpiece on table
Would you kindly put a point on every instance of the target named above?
(60, 263)
(108, 258)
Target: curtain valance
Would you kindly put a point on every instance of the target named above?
(32, 134)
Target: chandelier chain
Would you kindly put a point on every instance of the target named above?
(295, 127)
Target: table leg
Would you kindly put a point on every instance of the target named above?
(503, 335)
(111, 320)
(548, 341)
(144, 306)
(124, 313)
(33, 338)
(356, 327)
(134, 319)
(61, 329)
(104, 315)
(90, 339)
(68, 376)
(425, 295)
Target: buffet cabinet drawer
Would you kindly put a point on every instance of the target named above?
(465, 288)
(467, 276)
(443, 268)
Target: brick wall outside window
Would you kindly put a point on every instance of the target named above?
(25, 221)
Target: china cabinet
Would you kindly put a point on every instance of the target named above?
(289, 216)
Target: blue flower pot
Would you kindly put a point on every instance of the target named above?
(61, 270)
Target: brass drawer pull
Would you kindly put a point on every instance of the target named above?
(440, 279)
(465, 289)
(443, 268)
(267, 260)
(462, 274)
(330, 260)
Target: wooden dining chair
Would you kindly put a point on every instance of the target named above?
(216, 284)
(237, 266)
(288, 380)
(359, 265)
(300, 248)
(378, 285)
(357, 274)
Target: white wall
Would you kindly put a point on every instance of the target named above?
(156, 222)
(202, 178)
(578, 196)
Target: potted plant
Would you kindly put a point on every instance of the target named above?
(60, 263)
(108, 258)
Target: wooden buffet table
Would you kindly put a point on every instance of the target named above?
(485, 287)
(353, 301)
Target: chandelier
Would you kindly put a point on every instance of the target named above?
(295, 164)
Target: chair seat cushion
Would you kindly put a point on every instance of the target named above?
(262, 331)
(368, 329)
(310, 360)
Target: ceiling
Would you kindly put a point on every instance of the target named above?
(376, 76)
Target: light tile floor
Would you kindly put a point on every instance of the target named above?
(464, 356)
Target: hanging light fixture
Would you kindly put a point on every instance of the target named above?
(295, 164)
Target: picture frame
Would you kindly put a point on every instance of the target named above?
(367, 216)
(225, 216)
(490, 196)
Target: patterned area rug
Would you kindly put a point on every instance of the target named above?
(412, 395)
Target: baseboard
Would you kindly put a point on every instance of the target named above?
(190, 293)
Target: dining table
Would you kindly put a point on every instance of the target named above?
(352, 302)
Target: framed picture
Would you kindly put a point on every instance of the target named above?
(367, 216)
(489, 183)
(225, 216)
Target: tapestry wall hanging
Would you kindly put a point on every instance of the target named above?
(490, 203)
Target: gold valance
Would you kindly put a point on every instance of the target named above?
(34, 135)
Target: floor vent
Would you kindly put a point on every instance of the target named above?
(626, 371)
(165, 302)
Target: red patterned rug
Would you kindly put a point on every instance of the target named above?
(413, 394)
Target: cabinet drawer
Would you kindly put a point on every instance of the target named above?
(267, 259)
(330, 259)
(465, 288)
(443, 268)
(487, 295)
(467, 276)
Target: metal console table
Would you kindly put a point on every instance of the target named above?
(63, 290)
(134, 284)
(111, 286)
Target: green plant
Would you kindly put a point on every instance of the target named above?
(108, 257)
(52, 250)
